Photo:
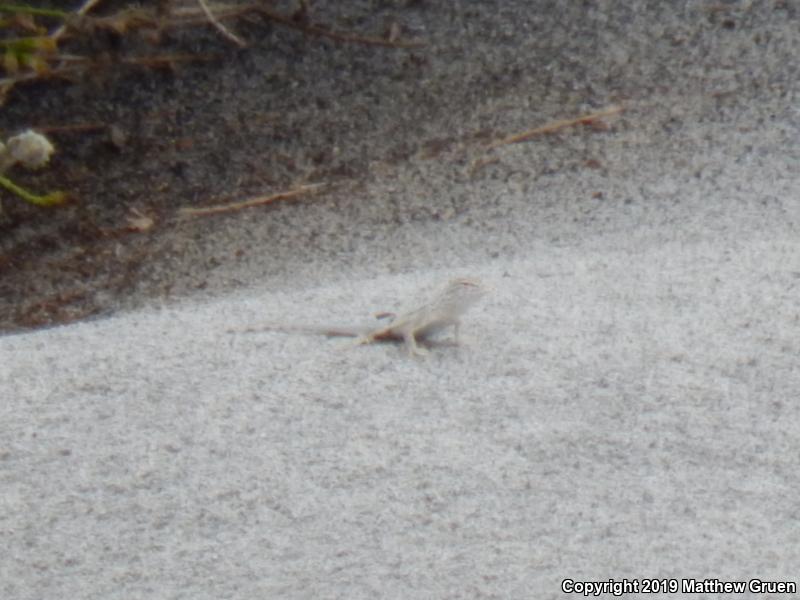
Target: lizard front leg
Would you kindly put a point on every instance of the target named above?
(410, 339)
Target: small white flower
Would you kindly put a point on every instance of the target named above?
(30, 149)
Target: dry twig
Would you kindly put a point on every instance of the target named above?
(187, 16)
(219, 26)
(87, 6)
(221, 208)
(555, 126)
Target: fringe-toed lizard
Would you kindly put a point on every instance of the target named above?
(443, 311)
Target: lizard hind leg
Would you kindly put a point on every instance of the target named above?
(362, 340)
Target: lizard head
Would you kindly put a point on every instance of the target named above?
(462, 293)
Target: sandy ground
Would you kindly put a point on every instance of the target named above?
(623, 404)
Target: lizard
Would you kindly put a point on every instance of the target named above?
(442, 311)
